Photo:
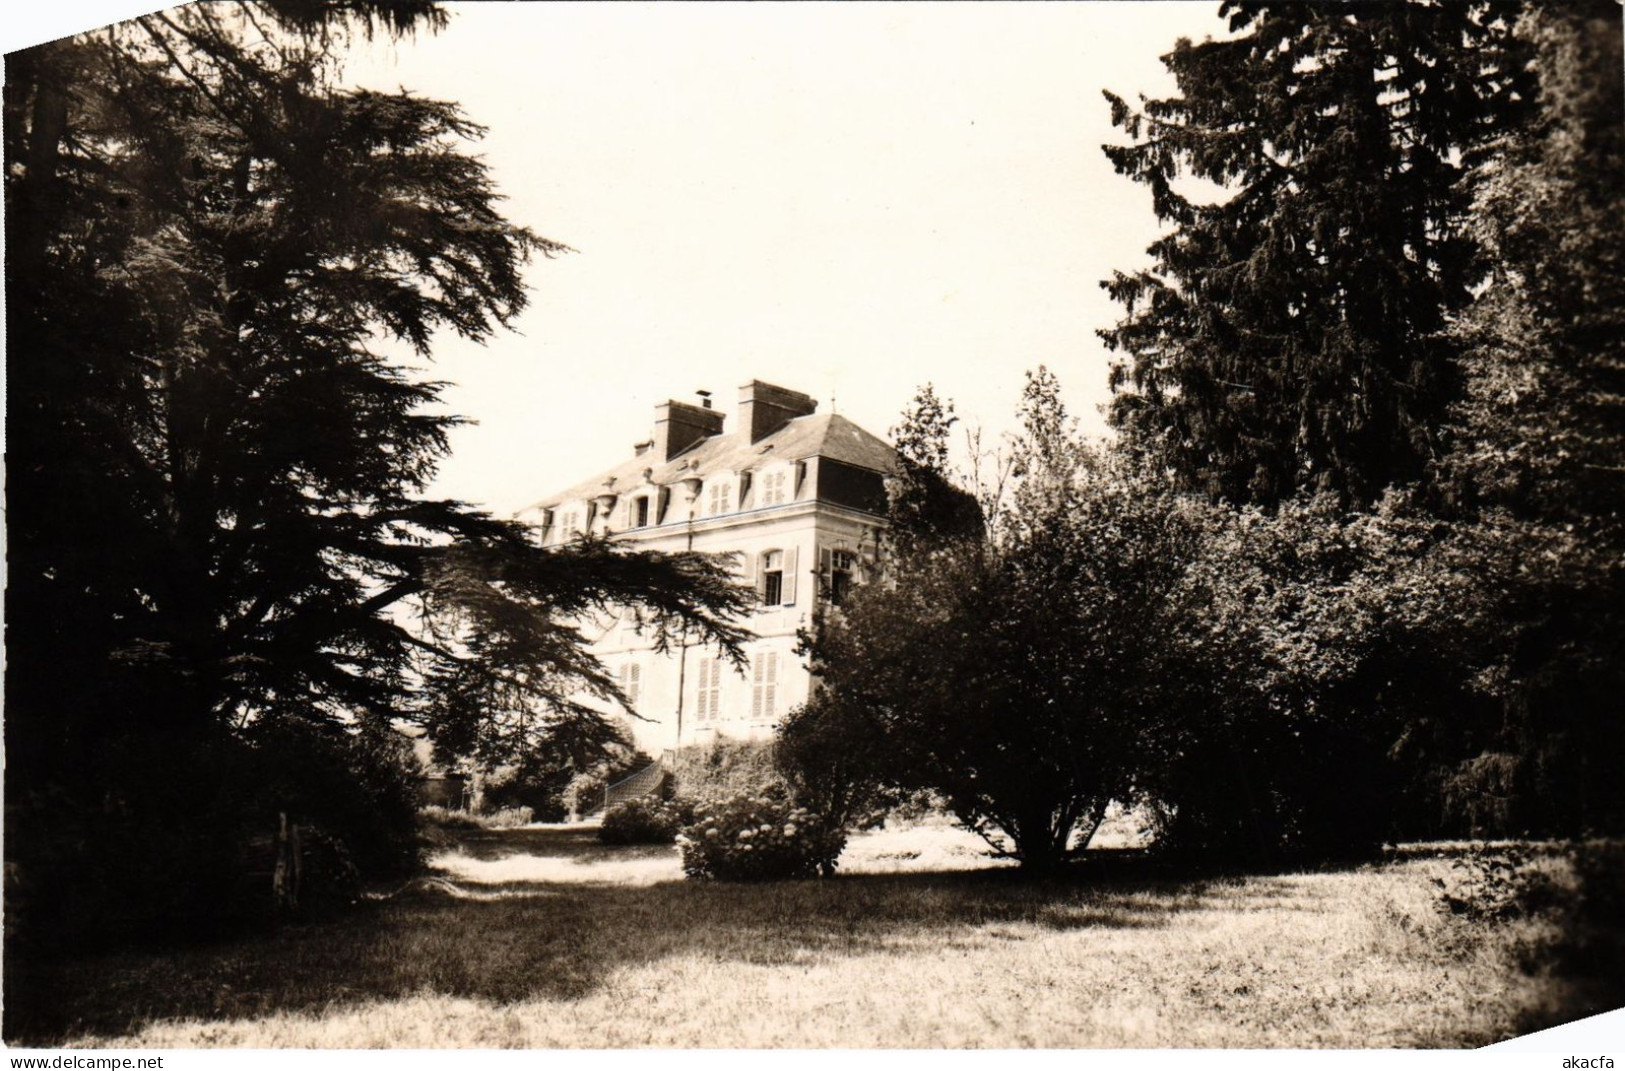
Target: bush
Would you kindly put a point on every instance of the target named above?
(358, 788)
(1493, 884)
(832, 758)
(1273, 794)
(438, 817)
(507, 818)
(538, 790)
(758, 838)
(1599, 867)
(1593, 942)
(643, 821)
(181, 841)
(724, 769)
(554, 784)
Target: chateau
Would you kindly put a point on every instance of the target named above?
(798, 495)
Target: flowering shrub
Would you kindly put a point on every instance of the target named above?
(642, 821)
(758, 838)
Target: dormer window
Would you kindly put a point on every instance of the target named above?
(773, 489)
(721, 499)
(569, 526)
(640, 512)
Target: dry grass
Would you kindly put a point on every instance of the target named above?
(542, 938)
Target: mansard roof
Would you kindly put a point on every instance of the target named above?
(829, 436)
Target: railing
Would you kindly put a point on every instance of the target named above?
(645, 782)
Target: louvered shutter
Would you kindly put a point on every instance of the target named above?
(756, 690)
(702, 704)
(716, 689)
(789, 596)
(771, 686)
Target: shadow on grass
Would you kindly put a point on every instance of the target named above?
(561, 940)
(579, 844)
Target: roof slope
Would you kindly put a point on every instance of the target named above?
(822, 435)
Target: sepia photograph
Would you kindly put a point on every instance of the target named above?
(806, 526)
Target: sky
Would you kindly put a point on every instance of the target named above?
(850, 200)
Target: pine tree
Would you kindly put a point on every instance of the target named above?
(1289, 333)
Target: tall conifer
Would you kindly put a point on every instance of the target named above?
(1310, 171)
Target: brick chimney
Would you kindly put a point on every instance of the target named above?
(679, 425)
(764, 408)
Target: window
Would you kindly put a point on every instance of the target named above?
(772, 489)
(774, 575)
(632, 683)
(772, 586)
(640, 512)
(708, 691)
(840, 575)
(569, 526)
(764, 687)
(721, 499)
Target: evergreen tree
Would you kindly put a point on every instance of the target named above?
(1540, 430)
(1535, 478)
(216, 471)
(1289, 334)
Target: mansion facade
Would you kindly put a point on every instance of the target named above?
(797, 495)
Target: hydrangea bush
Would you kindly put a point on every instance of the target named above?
(758, 838)
(643, 821)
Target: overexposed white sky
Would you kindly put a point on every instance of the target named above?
(845, 199)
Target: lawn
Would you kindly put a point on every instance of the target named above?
(541, 937)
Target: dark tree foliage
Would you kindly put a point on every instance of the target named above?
(1289, 334)
(1008, 670)
(923, 506)
(1536, 470)
(1541, 427)
(215, 509)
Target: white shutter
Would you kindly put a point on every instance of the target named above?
(770, 693)
(716, 689)
(756, 690)
(789, 596)
(699, 694)
(717, 711)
